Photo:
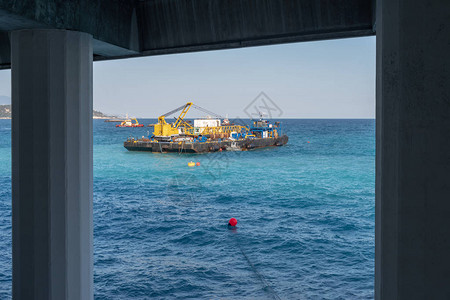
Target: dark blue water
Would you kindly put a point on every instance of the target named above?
(305, 217)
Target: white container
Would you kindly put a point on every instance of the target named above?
(207, 123)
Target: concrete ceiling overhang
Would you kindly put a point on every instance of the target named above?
(131, 28)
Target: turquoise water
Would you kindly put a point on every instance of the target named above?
(305, 216)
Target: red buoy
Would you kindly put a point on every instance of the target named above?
(198, 164)
(232, 222)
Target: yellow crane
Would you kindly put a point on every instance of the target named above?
(165, 129)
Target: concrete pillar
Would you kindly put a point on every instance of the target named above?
(52, 164)
(412, 255)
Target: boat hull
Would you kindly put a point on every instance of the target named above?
(212, 146)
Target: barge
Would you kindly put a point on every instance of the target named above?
(207, 135)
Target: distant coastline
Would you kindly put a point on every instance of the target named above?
(5, 113)
(99, 115)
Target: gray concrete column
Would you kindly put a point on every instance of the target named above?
(412, 255)
(52, 164)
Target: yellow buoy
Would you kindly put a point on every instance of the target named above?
(191, 164)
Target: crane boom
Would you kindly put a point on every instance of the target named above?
(182, 115)
(207, 111)
(184, 109)
(173, 111)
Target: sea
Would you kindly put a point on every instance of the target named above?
(305, 212)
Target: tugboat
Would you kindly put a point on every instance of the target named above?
(208, 134)
(129, 123)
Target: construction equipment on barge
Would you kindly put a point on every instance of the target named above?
(210, 134)
(128, 122)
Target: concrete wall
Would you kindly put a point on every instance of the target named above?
(412, 258)
(52, 158)
(108, 21)
(127, 28)
(5, 46)
(174, 26)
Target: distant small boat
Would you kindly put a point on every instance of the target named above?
(129, 123)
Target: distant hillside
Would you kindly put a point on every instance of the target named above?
(5, 113)
(100, 115)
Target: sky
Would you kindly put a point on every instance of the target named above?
(321, 79)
